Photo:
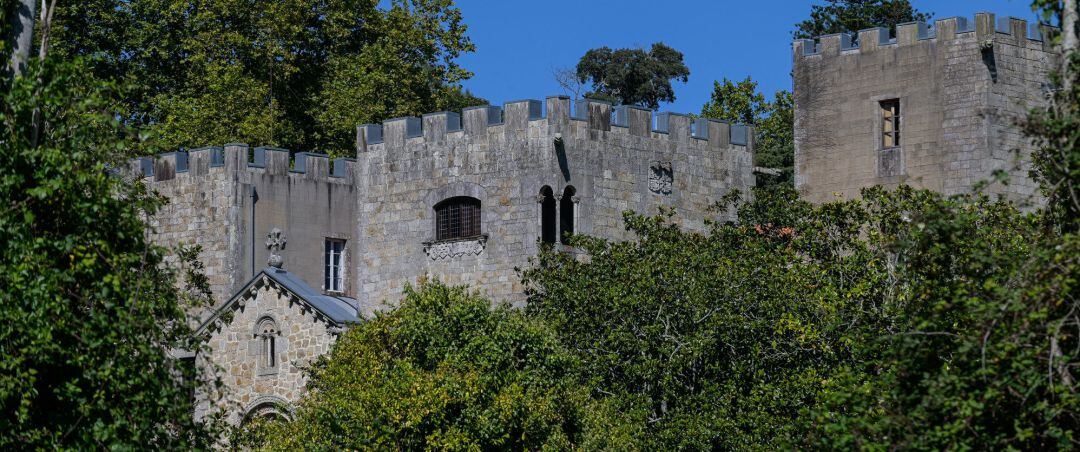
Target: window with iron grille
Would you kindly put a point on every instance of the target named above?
(890, 123)
(334, 260)
(457, 217)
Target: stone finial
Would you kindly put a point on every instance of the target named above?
(275, 241)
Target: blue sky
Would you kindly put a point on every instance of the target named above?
(518, 43)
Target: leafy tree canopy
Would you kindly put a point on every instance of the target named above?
(902, 319)
(773, 121)
(850, 16)
(294, 73)
(442, 371)
(89, 312)
(633, 76)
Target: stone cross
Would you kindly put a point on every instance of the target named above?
(275, 241)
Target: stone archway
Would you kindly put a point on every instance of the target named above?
(269, 408)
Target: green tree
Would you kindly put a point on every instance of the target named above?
(850, 16)
(296, 73)
(738, 102)
(444, 370)
(902, 319)
(774, 124)
(89, 311)
(717, 340)
(1056, 129)
(633, 76)
(982, 306)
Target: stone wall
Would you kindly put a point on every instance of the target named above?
(237, 355)
(203, 209)
(210, 203)
(962, 86)
(504, 157)
(615, 159)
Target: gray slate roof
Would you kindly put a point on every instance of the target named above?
(339, 310)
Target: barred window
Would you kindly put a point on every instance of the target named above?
(890, 123)
(457, 217)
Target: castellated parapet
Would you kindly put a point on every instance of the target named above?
(227, 199)
(591, 163)
(960, 87)
(597, 161)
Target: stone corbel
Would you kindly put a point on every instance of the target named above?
(451, 249)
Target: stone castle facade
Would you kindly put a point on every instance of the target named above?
(934, 107)
(468, 198)
(465, 198)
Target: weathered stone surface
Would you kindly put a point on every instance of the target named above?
(238, 354)
(962, 89)
(383, 205)
(505, 166)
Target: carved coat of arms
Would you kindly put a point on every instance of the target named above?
(660, 177)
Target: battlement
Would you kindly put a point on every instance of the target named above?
(932, 106)
(984, 26)
(557, 114)
(270, 160)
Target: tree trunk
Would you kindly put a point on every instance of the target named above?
(22, 33)
(1070, 40)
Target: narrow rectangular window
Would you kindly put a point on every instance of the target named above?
(334, 264)
(890, 123)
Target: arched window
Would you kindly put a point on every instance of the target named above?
(457, 217)
(548, 211)
(267, 330)
(566, 213)
(267, 407)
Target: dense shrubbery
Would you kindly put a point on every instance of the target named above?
(88, 308)
(443, 371)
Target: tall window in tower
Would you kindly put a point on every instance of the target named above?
(566, 213)
(548, 211)
(457, 218)
(890, 123)
(334, 265)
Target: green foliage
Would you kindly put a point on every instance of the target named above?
(850, 16)
(293, 73)
(88, 310)
(774, 124)
(1056, 130)
(981, 343)
(902, 319)
(633, 76)
(714, 340)
(738, 102)
(445, 371)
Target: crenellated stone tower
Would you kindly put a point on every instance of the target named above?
(463, 198)
(934, 107)
(587, 166)
(504, 180)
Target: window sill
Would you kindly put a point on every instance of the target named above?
(264, 372)
(456, 247)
